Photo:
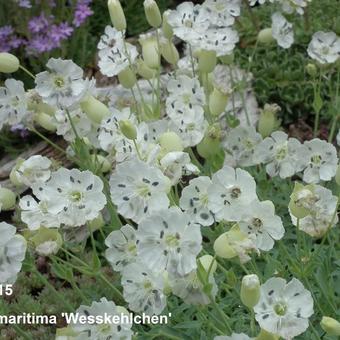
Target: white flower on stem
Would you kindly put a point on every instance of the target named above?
(220, 40)
(122, 247)
(139, 189)
(284, 308)
(110, 132)
(114, 55)
(185, 94)
(282, 30)
(13, 103)
(62, 85)
(102, 331)
(259, 219)
(319, 160)
(324, 47)
(195, 201)
(12, 253)
(322, 205)
(143, 289)
(176, 164)
(231, 191)
(75, 196)
(167, 241)
(34, 169)
(240, 144)
(280, 154)
(188, 21)
(35, 214)
(222, 13)
(190, 289)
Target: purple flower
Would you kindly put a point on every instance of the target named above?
(5, 31)
(39, 24)
(25, 3)
(82, 12)
(60, 32)
(20, 129)
(40, 43)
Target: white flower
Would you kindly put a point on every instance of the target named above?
(195, 201)
(320, 161)
(101, 330)
(33, 170)
(188, 21)
(261, 2)
(12, 253)
(138, 189)
(143, 289)
(167, 241)
(176, 164)
(36, 215)
(63, 85)
(220, 40)
(222, 13)
(109, 132)
(114, 56)
(234, 336)
(122, 247)
(291, 6)
(259, 219)
(280, 154)
(185, 94)
(282, 30)
(240, 143)
(190, 289)
(13, 103)
(324, 47)
(231, 190)
(284, 308)
(75, 196)
(322, 205)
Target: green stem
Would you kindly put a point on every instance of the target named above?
(21, 332)
(27, 72)
(47, 140)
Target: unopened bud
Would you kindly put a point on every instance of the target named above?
(250, 290)
(207, 61)
(152, 13)
(330, 326)
(311, 70)
(7, 199)
(102, 162)
(169, 52)
(117, 15)
(144, 70)
(150, 51)
(209, 263)
(170, 141)
(128, 129)
(217, 102)
(46, 121)
(47, 241)
(96, 223)
(227, 59)
(222, 247)
(166, 28)
(127, 78)
(210, 145)
(265, 36)
(298, 204)
(268, 122)
(95, 109)
(9, 63)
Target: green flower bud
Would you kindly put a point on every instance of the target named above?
(337, 175)
(170, 141)
(117, 15)
(227, 59)
(210, 145)
(264, 335)
(265, 36)
(169, 52)
(217, 102)
(208, 262)
(330, 326)
(144, 70)
(128, 129)
(250, 290)
(311, 70)
(127, 78)
(9, 63)
(7, 199)
(166, 28)
(268, 122)
(97, 223)
(95, 109)
(207, 61)
(167, 286)
(47, 241)
(150, 52)
(152, 13)
(12, 176)
(300, 195)
(46, 121)
(102, 162)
